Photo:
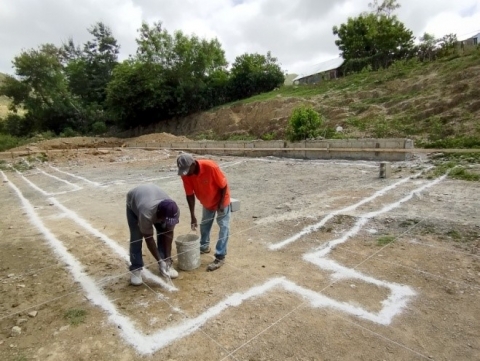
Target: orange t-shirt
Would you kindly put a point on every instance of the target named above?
(206, 185)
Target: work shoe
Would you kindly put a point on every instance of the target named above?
(215, 265)
(136, 278)
(204, 250)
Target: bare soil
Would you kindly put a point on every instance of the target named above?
(432, 248)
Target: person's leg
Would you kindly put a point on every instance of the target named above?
(223, 221)
(136, 240)
(205, 228)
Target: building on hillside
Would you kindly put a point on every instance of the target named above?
(473, 40)
(322, 71)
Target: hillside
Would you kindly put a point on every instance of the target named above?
(3, 100)
(436, 102)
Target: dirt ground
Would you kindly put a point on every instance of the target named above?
(326, 261)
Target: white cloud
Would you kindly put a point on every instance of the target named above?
(297, 32)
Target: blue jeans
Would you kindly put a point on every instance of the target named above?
(136, 240)
(223, 221)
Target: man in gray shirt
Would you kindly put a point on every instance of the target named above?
(148, 206)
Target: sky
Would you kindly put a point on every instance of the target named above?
(297, 32)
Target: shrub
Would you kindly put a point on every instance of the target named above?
(7, 141)
(17, 125)
(68, 132)
(304, 123)
(269, 136)
(99, 127)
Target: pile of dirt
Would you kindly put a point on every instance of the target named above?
(157, 138)
(95, 142)
(71, 143)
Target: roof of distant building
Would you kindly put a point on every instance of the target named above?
(322, 67)
(470, 37)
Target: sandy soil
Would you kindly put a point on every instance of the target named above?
(75, 143)
(325, 262)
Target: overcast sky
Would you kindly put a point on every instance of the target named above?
(297, 32)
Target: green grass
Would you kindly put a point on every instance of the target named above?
(75, 316)
(8, 141)
(409, 223)
(454, 169)
(454, 234)
(22, 166)
(4, 165)
(384, 240)
(20, 358)
(432, 103)
(458, 142)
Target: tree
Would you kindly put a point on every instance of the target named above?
(41, 88)
(138, 94)
(253, 74)
(448, 43)
(373, 40)
(387, 7)
(427, 47)
(170, 75)
(90, 70)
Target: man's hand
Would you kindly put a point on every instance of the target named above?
(193, 223)
(164, 269)
(220, 208)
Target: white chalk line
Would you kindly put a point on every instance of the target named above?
(109, 242)
(38, 189)
(151, 343)
(329, 302)
(335, 280)
(96, 184)
(59, 179)
(400, 294)
(412, 268)
(312, 162)
(317, 226)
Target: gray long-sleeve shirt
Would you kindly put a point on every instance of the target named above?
(143, 200)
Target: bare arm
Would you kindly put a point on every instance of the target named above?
(222, 198)
(191, 207)
(152, 246)
(166, 239)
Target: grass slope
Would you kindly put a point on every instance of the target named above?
(435, 103)
(3, 100)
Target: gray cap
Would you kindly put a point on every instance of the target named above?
(184, 161)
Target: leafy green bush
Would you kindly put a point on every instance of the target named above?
(7, 141)
(99, 128)
(453, 142)
(68, 132)
(269, 136)
(304, 123)
(17, 125)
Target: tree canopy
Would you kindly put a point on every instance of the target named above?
(84, 87)
(374, 40)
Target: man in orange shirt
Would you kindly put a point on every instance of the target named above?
(203, 179)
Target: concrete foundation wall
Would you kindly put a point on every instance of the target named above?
(355, 149)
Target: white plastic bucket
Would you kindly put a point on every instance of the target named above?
(188, 251)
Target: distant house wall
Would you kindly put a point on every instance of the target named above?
(473, 41)
(316, 78)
